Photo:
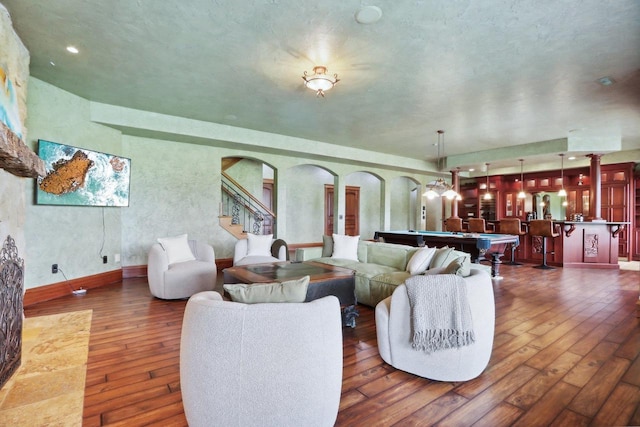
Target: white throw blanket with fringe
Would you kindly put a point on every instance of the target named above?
(440, 312)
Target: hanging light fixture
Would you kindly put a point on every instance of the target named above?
(319, 81)
(522, 194)
(439, 187)
(562, 192)
(487, 195)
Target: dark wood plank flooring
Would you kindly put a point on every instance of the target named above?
(565, 354)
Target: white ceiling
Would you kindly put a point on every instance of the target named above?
(492, 74)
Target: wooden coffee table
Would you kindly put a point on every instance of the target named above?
(324, 279)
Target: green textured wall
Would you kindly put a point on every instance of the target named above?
(172, 192)
(175, 188)
(71, 237)
(403, 204)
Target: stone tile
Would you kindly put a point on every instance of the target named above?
(48, 388)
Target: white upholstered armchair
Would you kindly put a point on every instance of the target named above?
(259, 249)
(268, 364)
(394, 331)
(179, 268)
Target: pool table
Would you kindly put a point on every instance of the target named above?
(491, 246)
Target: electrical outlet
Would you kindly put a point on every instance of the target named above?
(54, 268)
(104, 259)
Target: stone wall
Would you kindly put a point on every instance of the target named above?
(14, 61)
(15, 156)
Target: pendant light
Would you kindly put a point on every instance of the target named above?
(562, 192)
(522, 194)
(487, 195)
(439, 187)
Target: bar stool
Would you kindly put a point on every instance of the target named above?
(477, 225)
(543, 228)
(514, 227)
(453, 224)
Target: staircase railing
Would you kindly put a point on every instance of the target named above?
(245, 209)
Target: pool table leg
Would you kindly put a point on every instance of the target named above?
(495, 265)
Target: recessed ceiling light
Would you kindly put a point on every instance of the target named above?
(72, 49)
(53, 64)
(606, 81)
(471, 169)
(368, 15)
(571, 158)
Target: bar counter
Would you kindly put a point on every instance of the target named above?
(584, 244)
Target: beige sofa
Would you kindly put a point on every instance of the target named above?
(380, 268)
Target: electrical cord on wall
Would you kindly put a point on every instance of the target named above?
(80, 291)
(104, 235)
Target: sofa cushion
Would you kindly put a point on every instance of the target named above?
(420, 260)
(393, 278)
(338, 262)
(383, 285)
(177, 248)
(368, 270)
(289, 291)
(389, 254)
(345, 247)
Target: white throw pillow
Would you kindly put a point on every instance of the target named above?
(259, 245)
(420, 260)
(177, 248)
(345, 247)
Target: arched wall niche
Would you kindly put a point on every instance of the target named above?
(303, 196)
(259, 179)
(371, 201)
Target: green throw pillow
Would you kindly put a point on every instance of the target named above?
(455, 267)
(327, 246)
(441, 257)
(289, 291)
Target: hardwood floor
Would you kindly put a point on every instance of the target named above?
(566, 353)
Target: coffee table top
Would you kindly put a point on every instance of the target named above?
(286, 270)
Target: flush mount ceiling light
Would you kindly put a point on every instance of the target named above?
(439, 187)
(72, 49)
(606, 81)
(368, 15)
(320, 81)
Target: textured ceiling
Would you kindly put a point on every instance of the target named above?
(493, 74)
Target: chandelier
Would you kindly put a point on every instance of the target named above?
(319, 81)
(439, 187)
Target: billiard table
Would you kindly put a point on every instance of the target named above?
(491, 246)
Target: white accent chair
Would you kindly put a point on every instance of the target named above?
(182, 279)
(242, 249)
(275, 364)
(393, 328)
